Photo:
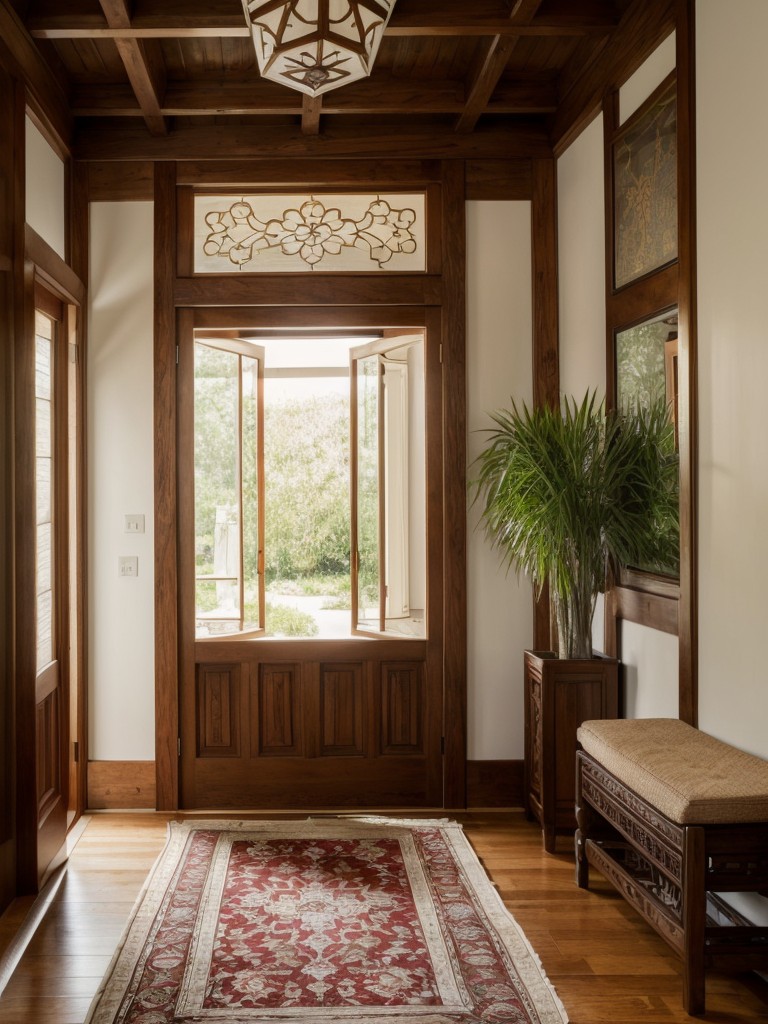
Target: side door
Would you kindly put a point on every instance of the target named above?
(51, 588)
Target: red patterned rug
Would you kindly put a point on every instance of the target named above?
(325, 921)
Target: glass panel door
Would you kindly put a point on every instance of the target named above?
(229, 488)
(44, 483)
(368, 583)
(388, 487)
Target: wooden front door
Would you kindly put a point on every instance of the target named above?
(352, 721)
(51, 578)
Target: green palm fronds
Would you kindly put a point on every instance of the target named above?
(566, 492)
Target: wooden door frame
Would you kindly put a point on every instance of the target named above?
(43, 268)
(442, 287)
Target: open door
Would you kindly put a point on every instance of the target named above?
(387, 477)
(229, 487)
(51, 580)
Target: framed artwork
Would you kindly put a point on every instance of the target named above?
(644, 163)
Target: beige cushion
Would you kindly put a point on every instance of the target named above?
(691, 777)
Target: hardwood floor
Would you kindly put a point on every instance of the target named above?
(607, 965)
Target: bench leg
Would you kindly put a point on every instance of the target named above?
(694, 919)
(582, 822)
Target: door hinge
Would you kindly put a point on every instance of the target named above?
(441, 353)
(76, 752)
(177, 355)
(178, 745)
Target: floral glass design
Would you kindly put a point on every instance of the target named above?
(273, 233)
(645, 191)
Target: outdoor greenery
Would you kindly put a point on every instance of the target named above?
(567, 493)
(285, 621)
(306, 463)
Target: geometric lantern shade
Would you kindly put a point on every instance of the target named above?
(316, 45)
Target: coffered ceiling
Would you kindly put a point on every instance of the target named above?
(179, 77)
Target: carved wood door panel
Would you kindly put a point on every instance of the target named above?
(313, 725)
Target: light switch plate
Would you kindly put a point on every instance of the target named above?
(134, 524)
(128, 565)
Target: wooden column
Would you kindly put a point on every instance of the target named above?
(546, 367)
(687, 363)
(78, 236)
(8, 146)
(454, 483)
(166, 569)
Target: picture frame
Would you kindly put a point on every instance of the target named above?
(644, 180)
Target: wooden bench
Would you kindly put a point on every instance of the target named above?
(672, 817)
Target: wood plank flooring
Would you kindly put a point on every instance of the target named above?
(607, 965)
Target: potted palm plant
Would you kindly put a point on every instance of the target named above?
(569, 494)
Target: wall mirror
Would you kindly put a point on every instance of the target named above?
(646, 361)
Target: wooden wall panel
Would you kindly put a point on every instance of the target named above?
(454, 312)
(218, 706)
(275, 711)
(342, 710)
(402, 708)
(7, 732)
(166, 521)
(498, 179)
(494, 784)
(121, 784)
(47, 750)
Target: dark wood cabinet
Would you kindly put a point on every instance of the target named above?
(560, 694)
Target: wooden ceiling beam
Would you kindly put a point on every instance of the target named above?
(22, 58)
(311, 108)
(492, 66)
(143, 64)
(380, 94)
(644, 26)
(256, 142)
(225, 19)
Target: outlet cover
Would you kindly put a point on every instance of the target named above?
(128, 565)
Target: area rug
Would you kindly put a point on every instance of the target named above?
(324, 921)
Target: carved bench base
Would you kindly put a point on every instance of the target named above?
(669, 872)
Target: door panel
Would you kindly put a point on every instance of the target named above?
(276, 724)
(342, 710)
(402, 700)
(218, 688)
(312, 734)
(51, 575)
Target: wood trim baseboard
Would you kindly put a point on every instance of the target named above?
(131, 784)
(121, 784)
(494, 783)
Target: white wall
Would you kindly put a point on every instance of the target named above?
(732, 226)
(121, 699)
(636, 90)
(44, 184)
(650, 658)
(120, 481)
(500, 608)
(581, 263)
